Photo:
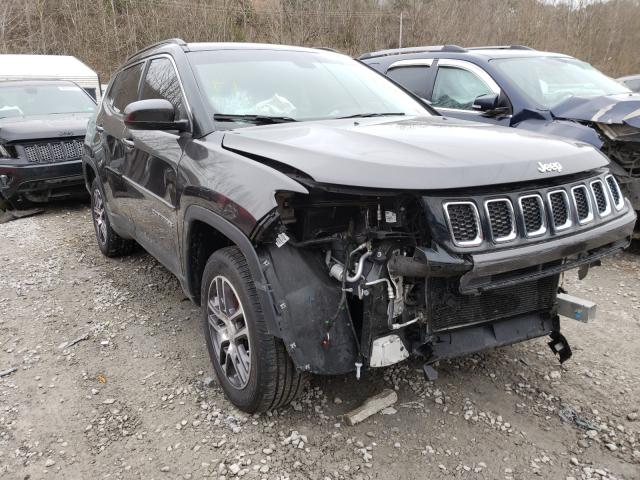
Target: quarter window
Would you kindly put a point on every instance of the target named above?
(161, 82)
(414, 79)
(457, 88)
(125, 88)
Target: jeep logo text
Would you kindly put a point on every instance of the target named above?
(549, 167)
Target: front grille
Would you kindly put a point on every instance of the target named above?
(602, 202)
(614, 189)
(582, 203)
(448, 308)
(53, 151)
(464, 223)
(560, 209)
(532, 210)
(501, 219)
(527, 215)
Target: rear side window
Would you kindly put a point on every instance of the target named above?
(413, 79)
(125, 88)
(457, 88)
(633, 84)
(161, 82)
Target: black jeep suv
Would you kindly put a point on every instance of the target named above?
(327, 221)
(42, 127)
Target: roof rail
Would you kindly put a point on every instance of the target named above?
(502, 47)
(176, 41)
(401, 51)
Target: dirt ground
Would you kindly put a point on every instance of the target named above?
(130, 398)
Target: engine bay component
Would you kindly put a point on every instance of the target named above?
(387, 350)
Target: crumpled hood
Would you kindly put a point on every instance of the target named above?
(43, 126)
(413, 153)
(622, 109)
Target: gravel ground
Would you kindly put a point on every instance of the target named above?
(132, 398)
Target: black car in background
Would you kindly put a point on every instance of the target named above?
(329, 222)
(516, 86)
(42, 128)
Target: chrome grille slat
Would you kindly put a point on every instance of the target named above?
(560, 209)
(614, 190)
(501, 219)
(582, 204)
(533, 215)
(600, 196)
(464, 223)
(53, 151)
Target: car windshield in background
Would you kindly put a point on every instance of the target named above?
(550, 80)
(18, 101)
(249, 86)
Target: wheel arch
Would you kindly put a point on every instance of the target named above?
(89, 173)
(204, 233)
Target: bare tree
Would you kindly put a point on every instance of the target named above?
(103, 32)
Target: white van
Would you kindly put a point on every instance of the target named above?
(50, 67)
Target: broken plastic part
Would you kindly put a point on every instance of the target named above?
(560, 346)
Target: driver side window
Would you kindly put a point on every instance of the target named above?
(161, 82)
(457, 88)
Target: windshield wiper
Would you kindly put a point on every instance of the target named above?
(365, 115)
(259, 119)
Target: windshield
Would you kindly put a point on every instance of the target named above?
(295, 86)
(550, 80)
(18, 101)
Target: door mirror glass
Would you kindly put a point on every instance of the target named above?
(155, 114)
(486, 102)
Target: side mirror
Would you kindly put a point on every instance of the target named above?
(155, 114)
(486, 103)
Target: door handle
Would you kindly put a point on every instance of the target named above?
(100, 128)
(128, 143)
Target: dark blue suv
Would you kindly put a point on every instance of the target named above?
(519, 87)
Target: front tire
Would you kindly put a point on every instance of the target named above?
(110, 243)
(253, 367)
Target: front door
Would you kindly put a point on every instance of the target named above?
(151, 169)
(458, 83)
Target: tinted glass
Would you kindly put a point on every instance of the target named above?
(550, 80)
(298, 84)
(413, 79)
(18, 101)
(633, 84)
(125, 87)
(457, 88)
(161, 82)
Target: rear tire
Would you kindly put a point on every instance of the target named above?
(252, 366)
(110, 243)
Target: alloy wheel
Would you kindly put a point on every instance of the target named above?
(229, 332)
(99, 216)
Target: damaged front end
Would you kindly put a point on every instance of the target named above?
(362, 278)
(616, 119)
(622, 146)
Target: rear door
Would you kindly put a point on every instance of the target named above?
(115, 141)
(457, 84)
(416, 75)
(150, 171)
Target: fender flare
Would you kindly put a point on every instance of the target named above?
(240, 240)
